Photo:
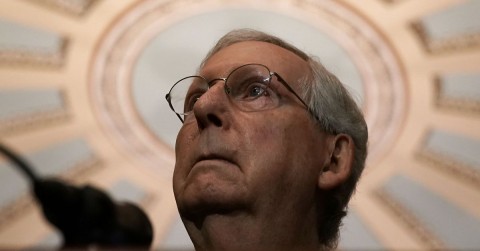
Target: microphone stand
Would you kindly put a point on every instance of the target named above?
(86, 216)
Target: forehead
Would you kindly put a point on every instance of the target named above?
(276, 58)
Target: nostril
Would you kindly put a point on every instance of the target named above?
(214, 119)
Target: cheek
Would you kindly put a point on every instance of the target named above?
(282, 136)
(185, 135)
(182, 149)
(268, 146)
(282, 147)
(279, 168)
(263, 140)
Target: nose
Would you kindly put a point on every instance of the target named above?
(213, 108)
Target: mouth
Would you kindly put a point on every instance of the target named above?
(213, 159)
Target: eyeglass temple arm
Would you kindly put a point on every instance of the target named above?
(168, 98)
(284, 83)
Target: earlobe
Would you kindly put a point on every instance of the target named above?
(337, 168)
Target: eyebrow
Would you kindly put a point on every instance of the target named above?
(208, 75)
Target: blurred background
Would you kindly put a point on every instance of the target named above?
(82, 87)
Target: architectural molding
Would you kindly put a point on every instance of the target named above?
(35, 58)
(393, 1)
(463, 42)
(71, 7)
(415, 227)
(460, 105)
(33, 121)
(453, 168)
(21, 123)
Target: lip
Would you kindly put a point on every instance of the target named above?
(213, 159)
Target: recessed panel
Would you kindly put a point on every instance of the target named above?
(20, 103)
(451, 225)
(460, 148)
(461, 86)
(16, 36)
(459, 20)
(459, 92)
(355, 234)
(22, 45)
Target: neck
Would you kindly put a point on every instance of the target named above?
(241, 231)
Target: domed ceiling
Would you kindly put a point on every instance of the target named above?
(82, 86)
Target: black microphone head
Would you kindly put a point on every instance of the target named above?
(86, 215)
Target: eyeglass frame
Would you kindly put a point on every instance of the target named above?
(227, 91)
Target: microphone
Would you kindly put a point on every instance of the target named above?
(86, 215)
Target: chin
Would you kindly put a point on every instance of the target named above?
(209, 200)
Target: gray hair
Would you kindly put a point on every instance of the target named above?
(336, 111)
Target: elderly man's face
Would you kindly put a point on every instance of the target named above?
(264, 161)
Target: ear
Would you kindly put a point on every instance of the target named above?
(337, 168)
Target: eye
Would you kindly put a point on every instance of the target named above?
(251, 88)
(255, 90)
(190, 101)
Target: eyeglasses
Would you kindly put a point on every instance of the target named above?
(249, 87)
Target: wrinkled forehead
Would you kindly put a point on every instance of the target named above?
(278, 59)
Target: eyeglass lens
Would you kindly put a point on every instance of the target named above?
(247, 86)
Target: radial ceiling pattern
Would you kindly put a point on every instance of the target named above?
(81, 97)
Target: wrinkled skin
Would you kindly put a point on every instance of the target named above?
(248, 180)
